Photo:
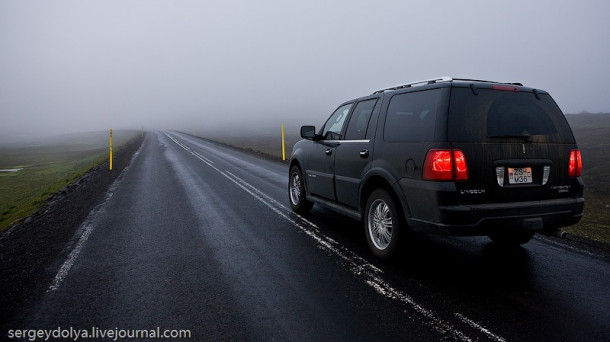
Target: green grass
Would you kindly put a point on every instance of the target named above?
(592, 132)
(595, 223)
(46, 167)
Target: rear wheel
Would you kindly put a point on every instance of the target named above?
(511, 238)
(296, 192)
(382, 223)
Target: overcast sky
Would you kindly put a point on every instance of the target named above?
(92, 65)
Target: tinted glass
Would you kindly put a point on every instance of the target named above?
(495, 114)
(412, 116)
(334, 125)
(359, 122)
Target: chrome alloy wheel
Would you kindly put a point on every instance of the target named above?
(380, 224)
(295, 188)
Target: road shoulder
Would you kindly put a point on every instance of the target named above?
(31, 250)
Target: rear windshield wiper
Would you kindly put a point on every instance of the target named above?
(526, 137)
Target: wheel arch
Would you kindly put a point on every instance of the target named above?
(379, 179)
(296, 162)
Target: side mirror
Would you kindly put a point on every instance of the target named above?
(308, 132)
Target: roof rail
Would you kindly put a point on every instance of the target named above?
(483, 81)
(439, 80)
(418, 83)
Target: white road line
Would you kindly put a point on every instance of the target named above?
(361, 263)
(358, 266)
(87, 229)
(65, 268)
(479, 327)
(562, 245)
(202, 158)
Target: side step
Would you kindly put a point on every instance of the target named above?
(342, 209)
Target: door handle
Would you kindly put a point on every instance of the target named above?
(364, 153)
(328, 151)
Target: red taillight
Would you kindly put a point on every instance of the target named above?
(445, 165)
(438, 165)
(461, 169)
(575, 167)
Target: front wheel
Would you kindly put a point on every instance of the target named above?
(296, 192)
(382, 223)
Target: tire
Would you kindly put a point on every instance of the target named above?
(511, 238)
(382, 224)
(296, 192)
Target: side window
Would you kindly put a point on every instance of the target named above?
(334, 125)
(359, 122)
(412, 116)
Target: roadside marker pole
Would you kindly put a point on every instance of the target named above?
(110, 149)
(283, 145)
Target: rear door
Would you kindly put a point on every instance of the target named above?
(517, 144)
(354, 153)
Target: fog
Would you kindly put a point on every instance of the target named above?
(72, 66)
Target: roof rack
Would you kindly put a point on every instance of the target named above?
(417, 83)
(483, 81)
(438, 80)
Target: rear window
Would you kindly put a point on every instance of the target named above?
(495, 114)
(412, 116)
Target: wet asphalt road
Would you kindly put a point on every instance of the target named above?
(197, 236)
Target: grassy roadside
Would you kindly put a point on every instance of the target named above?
(592, 132)
(595, 224)
(46, 167)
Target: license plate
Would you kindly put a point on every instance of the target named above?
(519, 175)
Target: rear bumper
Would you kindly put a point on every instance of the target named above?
(481, 219)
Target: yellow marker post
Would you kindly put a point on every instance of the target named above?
(110, 149)
(283, 145)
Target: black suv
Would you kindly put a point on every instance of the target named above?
(458, 156)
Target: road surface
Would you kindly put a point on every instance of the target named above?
(199, 238)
